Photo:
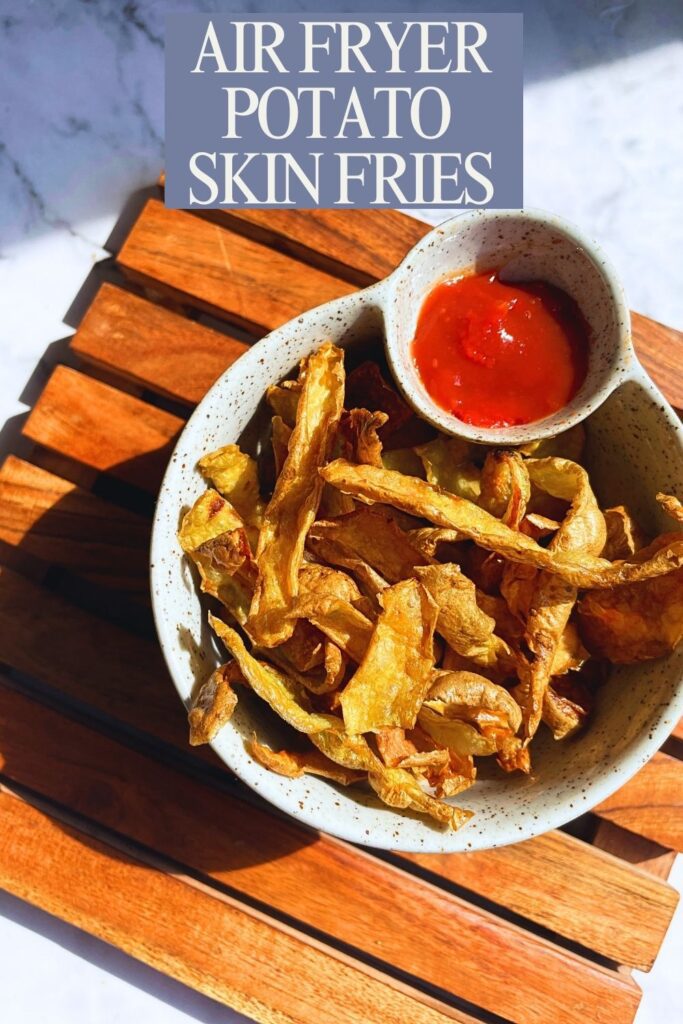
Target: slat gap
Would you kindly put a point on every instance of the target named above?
(83, 829)
(493, 907)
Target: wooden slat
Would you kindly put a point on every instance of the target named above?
(364, 247)
(353, 244)
(221, 272)
(303, 876)
(66, 648)
(103, 428)
(660, 350)
(651, 804)
(87, 659)
(628, 846)
(63, 525)
(608, 907)
(153, 346)
(207, 942)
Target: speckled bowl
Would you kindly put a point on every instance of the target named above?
(635, 448)
(522, 245)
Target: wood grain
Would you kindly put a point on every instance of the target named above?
(68, 649)
(135, 687)
(103, 428)
(303, 876)
(88, 659)
(351, 244)
(150, 345)
(362, 248)
(63, 525)
(212, 944)
(607, 906)
(660, 350)
(649, 856)
(651, 804)
(221, 272)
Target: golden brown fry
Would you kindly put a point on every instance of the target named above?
(553, 599)
(456, 694)
(635, 622)
(505, 487)
(508, 625)
(279, 440)
(672, 506)
(285, 696)
(235, 475)
(343, 624)
(213, 536)
(420, 498)
(372, 535)
(461, 737)
(435, 541)
(447, 463)
(461, 622)
(399, 788)
(473, 716)
(330, 551)
(624, 535)
(537, 526)
(213, 705)
(570, 654)
(294, 764)
(358, 428)
(294, 504)
(395, 673)
(210, 516)
(323, 581)
(441, 768)
(394, 746)
(283, 399)
(562, 716)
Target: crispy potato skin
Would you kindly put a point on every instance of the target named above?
(422, 601)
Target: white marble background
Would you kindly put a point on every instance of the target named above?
(81, 124)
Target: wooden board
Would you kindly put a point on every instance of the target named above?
(213, 886)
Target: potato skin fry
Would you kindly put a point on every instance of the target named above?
(418, 497)
(294, 764)
(234, 474)
(552, 600)
(395, 594)
(213, 706)
(373, 535)
(635, 622)
(461, 622)
(294, 504)
(505, 487)
(282, 693)
(392, 679)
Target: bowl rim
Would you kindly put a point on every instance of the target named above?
(431, 840)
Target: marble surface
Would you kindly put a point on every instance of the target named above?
(81, 101)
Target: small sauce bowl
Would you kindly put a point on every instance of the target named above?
(521, 245)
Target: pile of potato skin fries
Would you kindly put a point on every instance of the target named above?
(408, 602)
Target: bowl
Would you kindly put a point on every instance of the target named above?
(635, 448)
(522, 245)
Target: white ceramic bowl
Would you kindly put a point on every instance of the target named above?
(635, 448)
(522, 245)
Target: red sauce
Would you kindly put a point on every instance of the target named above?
(497, 355)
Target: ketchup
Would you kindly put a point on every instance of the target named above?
(496, 354)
